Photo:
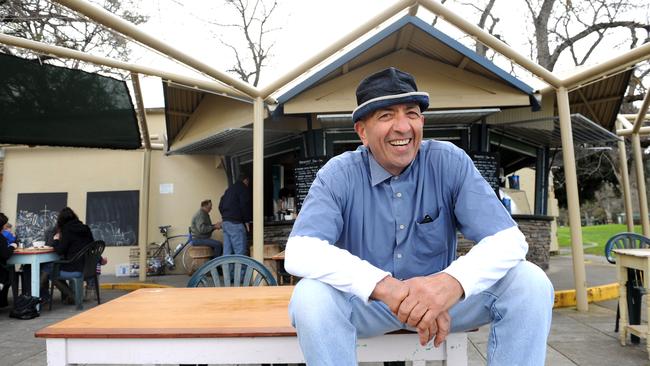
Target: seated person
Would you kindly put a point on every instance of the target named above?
(202, 228)
(6, 250)
(72, 236)
(8, 233)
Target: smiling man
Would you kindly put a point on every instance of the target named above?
(375, 243)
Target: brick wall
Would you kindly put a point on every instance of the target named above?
(537, 230)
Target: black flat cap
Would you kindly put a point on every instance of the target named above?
(385, 88)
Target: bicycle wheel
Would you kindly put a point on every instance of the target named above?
(186, 259)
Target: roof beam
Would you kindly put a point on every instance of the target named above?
(110, 20)
(588, 106)
(57, 51)
(463, 63)
(595, 101)
(608, 67)
(491, 41)
(336, 46)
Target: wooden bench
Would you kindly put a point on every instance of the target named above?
(243, 325)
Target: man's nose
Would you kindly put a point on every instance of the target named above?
(401, 123)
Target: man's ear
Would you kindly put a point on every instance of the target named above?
(360, 128)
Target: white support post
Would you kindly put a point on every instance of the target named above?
(571, 184)
(640, 183)
(625, 180)
(258, 180)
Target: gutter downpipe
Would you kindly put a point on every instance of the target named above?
(190, 82)
(625, 179)
(258, 179)
(112, 21)
(572, 199)
(146, 179)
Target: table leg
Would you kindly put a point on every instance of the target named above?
(622, 302)
(36, 279)
(56, 352)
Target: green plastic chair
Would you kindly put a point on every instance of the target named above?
(90, 255)
(232, 271)
(635, 289)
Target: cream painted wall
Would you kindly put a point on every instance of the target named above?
(78, 171)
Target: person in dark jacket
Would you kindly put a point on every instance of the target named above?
(236, 207)
(71, 237)
(6, 250)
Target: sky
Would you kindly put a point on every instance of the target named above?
(302, 28)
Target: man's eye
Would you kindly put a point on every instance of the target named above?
(413, 115)
(385, 116)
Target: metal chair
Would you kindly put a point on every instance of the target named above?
(231, 271)
(90, 255)
(634, 286)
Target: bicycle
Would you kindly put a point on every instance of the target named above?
(163, 258)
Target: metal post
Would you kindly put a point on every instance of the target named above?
(640, 183)
(146, 178)
(258, 180)
(572, 199)
(625, 181)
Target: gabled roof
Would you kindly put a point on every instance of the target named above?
(412, 34)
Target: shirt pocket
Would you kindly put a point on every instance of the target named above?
(431, 238)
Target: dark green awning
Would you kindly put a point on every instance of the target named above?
(56, 106)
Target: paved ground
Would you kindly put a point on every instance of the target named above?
(576, 338)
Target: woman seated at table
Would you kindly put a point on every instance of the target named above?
(71, 237)
(6, 250)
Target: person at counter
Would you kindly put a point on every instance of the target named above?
(375, 243)
(236, 208)
(202, 228)
(8, 233)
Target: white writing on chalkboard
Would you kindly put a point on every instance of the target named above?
(488, 165)
(305, 173)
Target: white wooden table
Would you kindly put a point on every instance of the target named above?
(638, 259)
(247, 325)
(33, 257)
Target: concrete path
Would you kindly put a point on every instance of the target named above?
(575, 339)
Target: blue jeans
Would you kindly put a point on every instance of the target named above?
(234, 238)
(518, 307)
(217, 247)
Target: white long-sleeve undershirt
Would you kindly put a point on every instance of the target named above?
(487, 262)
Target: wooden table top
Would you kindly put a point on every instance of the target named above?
(184, 313)
(639, 252)
(278, 256)
(33, 250)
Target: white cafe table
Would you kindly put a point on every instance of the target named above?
(228, 325)
(34, 257)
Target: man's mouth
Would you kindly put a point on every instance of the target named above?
(401, 142)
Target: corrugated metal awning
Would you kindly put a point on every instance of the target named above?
(546, 132)
(230, 142)
(451, 117)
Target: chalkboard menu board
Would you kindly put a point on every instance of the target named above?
(488, 165)
(113, 216)
(305, 173)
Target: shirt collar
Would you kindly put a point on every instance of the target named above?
(378, 174)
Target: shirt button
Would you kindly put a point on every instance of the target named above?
(396, 178)
(401, 227)
(399, 255)
(398, 194)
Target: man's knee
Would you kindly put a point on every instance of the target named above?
(310, 301)
(530, 281)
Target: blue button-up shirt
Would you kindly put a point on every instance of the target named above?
(405, 224)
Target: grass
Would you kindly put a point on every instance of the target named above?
(593, 235)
